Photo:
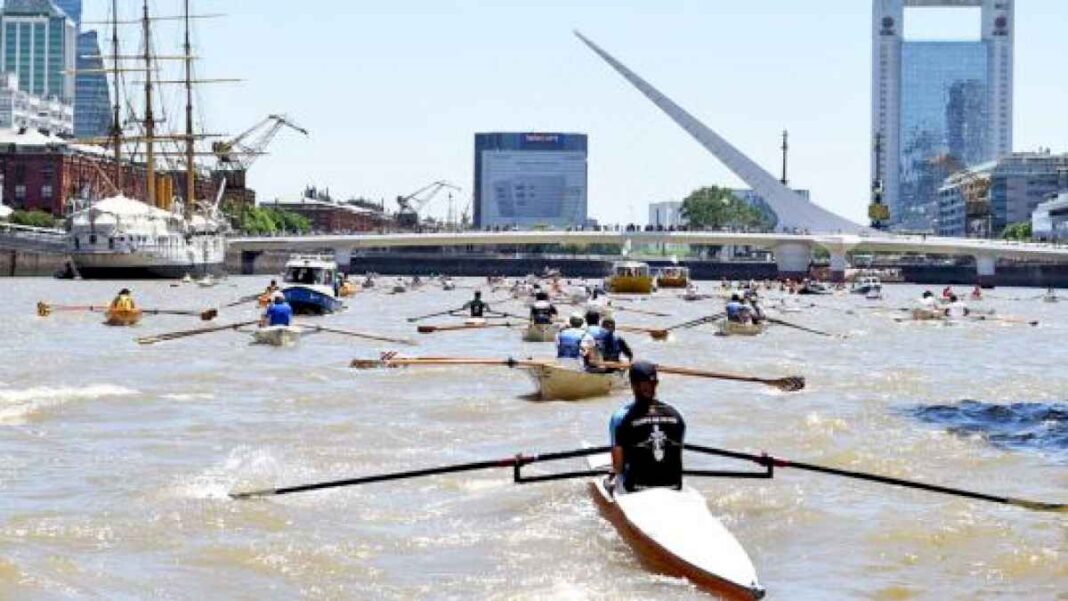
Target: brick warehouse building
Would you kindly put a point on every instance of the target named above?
(44, 172)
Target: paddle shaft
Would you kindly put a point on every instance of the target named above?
(797, 327)
(185, 333)
(466, 326)
(519, 459)
(792, 383)
(695, 322)
(362, 335)
(414, 319)
(444, 361)
(767, 460)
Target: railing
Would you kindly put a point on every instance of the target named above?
(25, 236)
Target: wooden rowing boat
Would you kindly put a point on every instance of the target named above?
(276, 335)
(475, 321)
(539, 332)
(567, 383)
(119, 317)
(735, 328)
(674, 533)
(919, 314)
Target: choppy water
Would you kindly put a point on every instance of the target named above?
(115, 458)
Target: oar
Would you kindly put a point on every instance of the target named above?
(415, 319)
(359, 335)
(44, 309)
(787, 384)
(803, 328)
(185, 333)
(1004, 319)
(643, 312)
(657, 334)
(512, 462)
(389, 361)
(695, 322)
(466, 326)
(205, 315)
(767, 460)
(243, 300)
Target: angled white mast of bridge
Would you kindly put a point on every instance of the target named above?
(793, 210)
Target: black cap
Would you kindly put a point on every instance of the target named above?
(124, 291)
(642, 371)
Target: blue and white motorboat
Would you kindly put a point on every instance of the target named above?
(311, 285)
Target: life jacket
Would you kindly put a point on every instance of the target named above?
(569, 343)
(122, 303)
(651, 436)
(611, 347)
(541, 312)
(598, 334)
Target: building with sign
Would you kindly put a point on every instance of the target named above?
(937, 106)
(530, 180)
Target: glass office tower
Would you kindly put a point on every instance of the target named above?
(37, 42)
(937, 106)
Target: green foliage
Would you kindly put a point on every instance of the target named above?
(1018, 231)
(265, 221)
(713, 207)
(33, 218)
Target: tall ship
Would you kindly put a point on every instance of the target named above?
(164, 232)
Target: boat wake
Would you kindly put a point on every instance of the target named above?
(19, 406)
(1041, 427)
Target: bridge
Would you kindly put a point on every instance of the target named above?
(793, 252)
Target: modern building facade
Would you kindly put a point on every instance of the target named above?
(530, 180)
(666, 214)
(980, 202)
(38, 42)
(937, 106)
(22, 110)
(92, 98)
(1049, 222)
(73, 9)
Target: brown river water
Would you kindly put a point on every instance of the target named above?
(116, 458)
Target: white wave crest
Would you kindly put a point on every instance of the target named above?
(17, 406)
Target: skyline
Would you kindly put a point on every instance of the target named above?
(438, 72)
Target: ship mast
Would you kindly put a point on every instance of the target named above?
(150, 122)
(190, 166)
(116, 123)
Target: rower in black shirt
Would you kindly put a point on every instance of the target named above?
(647, 437)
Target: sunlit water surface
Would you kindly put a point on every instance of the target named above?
(116, 459)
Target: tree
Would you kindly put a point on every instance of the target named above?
(34, 218)
(713, 207)
(1018, 231)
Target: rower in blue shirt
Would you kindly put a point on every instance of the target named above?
(736, 310)
(279, 313)
(569, 340)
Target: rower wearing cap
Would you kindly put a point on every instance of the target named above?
(279, 313)
(123, 302)
(737, 310)
(569, 340)
(646, 436)
(542, 311)
(611, 349)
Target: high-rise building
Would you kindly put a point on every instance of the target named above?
(937, 106)
(38, 42)
(528, 180)
(92, 97)
(73, 9)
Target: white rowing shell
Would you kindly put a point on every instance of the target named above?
(674, 533)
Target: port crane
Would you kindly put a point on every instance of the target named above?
(239, 153)
(410, 205)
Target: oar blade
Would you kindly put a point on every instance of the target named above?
(253, 494)
(209, 314)
(1039, 505)
(789, 384)
(427, 329)
(43, 310)
(659, 334)
(367, 363)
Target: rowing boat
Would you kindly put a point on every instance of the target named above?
(122, 317)
(920, 314)
(736, 328)
(276, 335)
(674, 533)
(475, 321)
(565, 383)
(539, 332)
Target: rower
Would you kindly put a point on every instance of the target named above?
(611, 349)
(476, 306)
(542, 311)
(569, 340)
(756, 312)
(977, 292)
(928, 300)
(279, 313)
(947, 292)
(736, 311)
(956, 308)
(123, 302)
(271, 288)
(647, 437)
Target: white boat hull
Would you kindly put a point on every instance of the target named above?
(674, 533)
(277, 335)
(566, 383)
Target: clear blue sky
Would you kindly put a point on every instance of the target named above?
(393, 90)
